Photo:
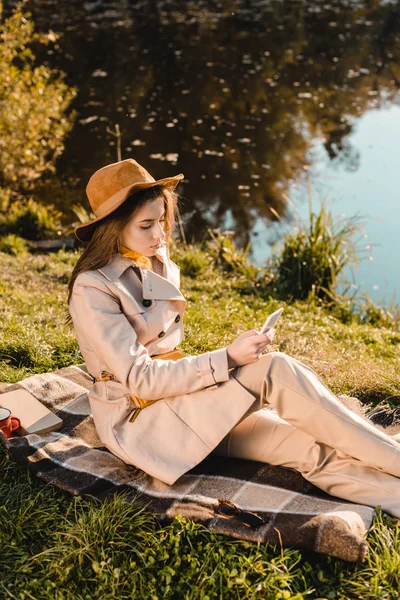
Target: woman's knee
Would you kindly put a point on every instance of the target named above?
(275, 356)
(281, 365)
(280, 361)
(278, 358)
(267, 363)
(252, 375)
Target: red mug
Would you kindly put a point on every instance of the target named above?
(8, 423)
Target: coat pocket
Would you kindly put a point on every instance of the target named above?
(213, 411)
(160, 443)
(105, 411)
(109, 401)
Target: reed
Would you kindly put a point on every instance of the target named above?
(314, 258)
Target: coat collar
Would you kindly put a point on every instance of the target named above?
(157, 287)
(115, 267)
(154, 286)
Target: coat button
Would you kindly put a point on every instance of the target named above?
(177, 318)
(146, 303)
(161, 334)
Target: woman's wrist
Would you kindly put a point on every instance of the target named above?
(231, 362)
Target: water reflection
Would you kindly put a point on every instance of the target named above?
(230, 93)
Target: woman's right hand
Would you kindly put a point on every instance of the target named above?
(248, 346)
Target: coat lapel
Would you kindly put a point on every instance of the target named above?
(157, 287)
(154, 286)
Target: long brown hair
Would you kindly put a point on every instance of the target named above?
(104, 241)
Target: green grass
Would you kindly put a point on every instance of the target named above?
(60, 547)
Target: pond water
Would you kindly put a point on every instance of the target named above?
(253, 100)
(370, 190)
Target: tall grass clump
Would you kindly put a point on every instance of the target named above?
(31, 220)
(192, 259)
(314, 257)
(228, 257)
(217, 252)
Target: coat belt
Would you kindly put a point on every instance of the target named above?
(139, 402)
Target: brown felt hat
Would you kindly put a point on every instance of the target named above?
(111, 185)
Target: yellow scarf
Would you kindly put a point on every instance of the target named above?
(140, 259)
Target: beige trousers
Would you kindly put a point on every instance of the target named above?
(297, 422)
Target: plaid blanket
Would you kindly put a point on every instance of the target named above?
(241, 498)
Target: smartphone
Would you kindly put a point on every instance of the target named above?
(272, 319)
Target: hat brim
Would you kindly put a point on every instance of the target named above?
(84, 232)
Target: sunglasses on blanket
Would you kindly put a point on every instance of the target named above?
(247, 517)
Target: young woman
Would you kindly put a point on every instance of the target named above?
(164, 412)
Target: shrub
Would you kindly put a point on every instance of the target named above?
(5, 199)
(31, 220)
(13, 244)
(33, 104)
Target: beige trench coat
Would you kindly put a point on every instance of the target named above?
(124, 314)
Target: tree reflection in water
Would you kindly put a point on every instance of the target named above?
(232, 94)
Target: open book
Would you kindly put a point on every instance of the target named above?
(34, 416)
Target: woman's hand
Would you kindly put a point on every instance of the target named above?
(248, 346)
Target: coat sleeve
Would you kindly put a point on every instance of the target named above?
(97, 314)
